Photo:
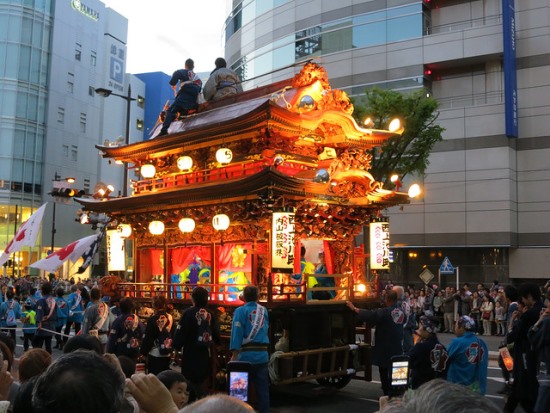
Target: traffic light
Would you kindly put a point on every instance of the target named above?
(67, 192)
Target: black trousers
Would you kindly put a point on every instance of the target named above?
(40, 340)
(172, 112)
(157, 364)
(77, 327)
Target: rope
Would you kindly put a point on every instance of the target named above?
(273, 366)
(41, 329)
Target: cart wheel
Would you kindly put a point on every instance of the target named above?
(338, 382)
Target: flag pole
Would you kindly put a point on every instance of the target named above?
(53, 227)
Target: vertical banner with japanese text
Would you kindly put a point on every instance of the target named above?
(116, 254)
(282, 242)
(510, 70)
(379, 245)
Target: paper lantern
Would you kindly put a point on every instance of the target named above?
(224, 155)
(156, 227)
(220, 222)
(148, 170)
(125, 230)
(185, 163)
(186, 225)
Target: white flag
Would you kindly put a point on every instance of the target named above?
(71, 252)
(26, 236)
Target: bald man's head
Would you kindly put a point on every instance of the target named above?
(218, 403)
(400, 291)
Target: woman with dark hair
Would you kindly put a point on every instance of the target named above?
(83, 342)
(196, 331)
(81, 381)
(157, 342)
(22, 402)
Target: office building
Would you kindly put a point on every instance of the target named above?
(486, 202)
(53, 57)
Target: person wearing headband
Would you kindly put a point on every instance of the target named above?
(468, 356)
(428, 357)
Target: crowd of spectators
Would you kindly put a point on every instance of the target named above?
(96, 373)
(520, 315)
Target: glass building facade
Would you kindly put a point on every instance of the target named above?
(374, 28)
(25, 31)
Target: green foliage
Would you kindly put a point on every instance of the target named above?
(406, 154)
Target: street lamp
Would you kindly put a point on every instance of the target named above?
(128, 98)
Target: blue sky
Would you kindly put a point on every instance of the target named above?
(162, 34)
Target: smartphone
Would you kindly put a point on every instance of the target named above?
(399, 375)
(238, 379)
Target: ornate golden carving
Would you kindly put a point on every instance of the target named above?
(349, 174)
(343, 253)
(310, 73)
(330, 99)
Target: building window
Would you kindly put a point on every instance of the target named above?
(140, 101)
(65, 151)
(139, 124)
(74, 153)
(78, 51)
(83, 123)
(86, 185)
(70, 82)
(93, 59)
(91, 90)
(61, 115)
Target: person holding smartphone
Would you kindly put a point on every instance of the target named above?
(250, 343)
(428, 357)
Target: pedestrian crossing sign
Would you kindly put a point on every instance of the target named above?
(446, 267)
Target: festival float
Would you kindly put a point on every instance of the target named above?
(269, 187)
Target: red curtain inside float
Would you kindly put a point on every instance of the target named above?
(329, 257)
(182, 257)
(151, 262)
(234, 258)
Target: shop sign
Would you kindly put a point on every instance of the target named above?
(85, 9)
